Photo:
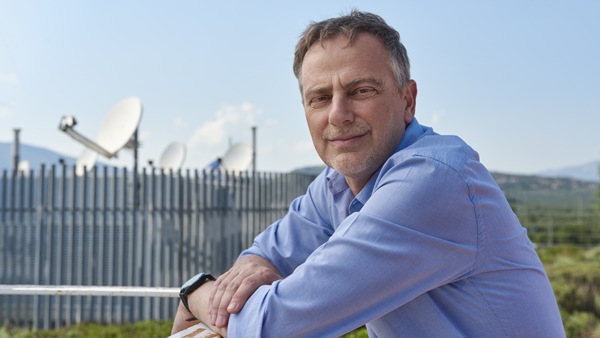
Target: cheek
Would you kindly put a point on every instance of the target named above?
(391, 130)
(316, 123)
(318, 141)
(316, 131)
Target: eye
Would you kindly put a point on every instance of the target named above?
(319, 101)
(364, 92)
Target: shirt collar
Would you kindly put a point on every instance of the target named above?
(412, 133)
(335, 181)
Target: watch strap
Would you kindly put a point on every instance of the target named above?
(191, 285)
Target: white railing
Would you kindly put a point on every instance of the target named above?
(196, 331)
(74, 290)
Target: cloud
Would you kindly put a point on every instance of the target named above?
(436, 118)
(6, 109)
(210, 134)
(251, 112)
(230, 122)
(178, 122)
(271, 122)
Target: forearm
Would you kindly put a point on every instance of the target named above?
(198, 302)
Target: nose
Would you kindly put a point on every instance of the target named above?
(341, 112)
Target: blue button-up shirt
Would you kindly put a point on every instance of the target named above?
(428, 248)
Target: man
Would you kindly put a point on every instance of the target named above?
(405, 231)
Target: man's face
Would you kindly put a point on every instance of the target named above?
(355, 112)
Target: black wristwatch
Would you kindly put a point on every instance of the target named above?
(191, 285)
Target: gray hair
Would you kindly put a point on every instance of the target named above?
(350, 26)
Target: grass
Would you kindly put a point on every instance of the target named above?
(575, 276)
(143, 329)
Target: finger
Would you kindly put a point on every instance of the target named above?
(220, 296)
(226, 291)
(241, 294)
(230, 279)
(240, 288)
(248, 286)
(214, 290)
(227, 297)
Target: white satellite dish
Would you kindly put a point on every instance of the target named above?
(120, 124)
(23, 166)
(172, 157)
(86, 161)
(117, 131)
(237, 158)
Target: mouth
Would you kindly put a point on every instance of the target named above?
(343, 141)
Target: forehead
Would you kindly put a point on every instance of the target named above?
(336, 59)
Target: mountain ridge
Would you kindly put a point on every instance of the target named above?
(559, 191)
(585, 172)
(36, 156)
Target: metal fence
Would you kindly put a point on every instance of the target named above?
(112, 228)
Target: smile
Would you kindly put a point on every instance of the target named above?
(346, 140)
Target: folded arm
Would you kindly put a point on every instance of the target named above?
(233, 288)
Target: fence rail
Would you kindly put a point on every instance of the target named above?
(112, 228)
(77, 290)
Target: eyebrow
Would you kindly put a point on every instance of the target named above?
(316, 90)
(353, 83)
(365, 80)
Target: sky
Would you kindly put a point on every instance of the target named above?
(517, 80)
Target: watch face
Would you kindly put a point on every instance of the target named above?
(191, 281)
(195, 282)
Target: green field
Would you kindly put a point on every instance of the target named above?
(575, 276)
(555, 211)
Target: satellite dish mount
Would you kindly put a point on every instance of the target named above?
(119, 130)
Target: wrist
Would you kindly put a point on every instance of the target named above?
(188, 288)
(199, 302)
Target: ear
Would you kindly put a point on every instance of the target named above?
(410, 96)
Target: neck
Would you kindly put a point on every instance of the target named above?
(356, 185)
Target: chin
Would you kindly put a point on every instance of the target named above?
(353, 167)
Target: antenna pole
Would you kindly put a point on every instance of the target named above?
(135, 169)
(16, 150)
(135, 151)
(253, 149)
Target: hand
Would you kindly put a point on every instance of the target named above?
(233, 288)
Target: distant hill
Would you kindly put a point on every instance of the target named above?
(34, 155)
(569, 187)
(533, 190)
(312, 170)
(554, 192)
(584, 172)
